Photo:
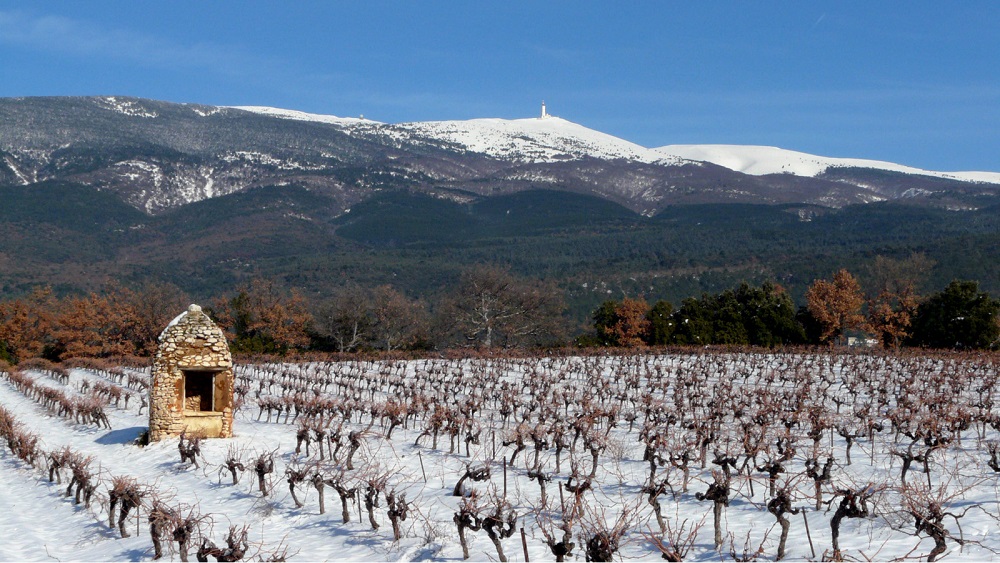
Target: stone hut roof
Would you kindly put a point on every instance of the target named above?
(189, 322)
(194, 332)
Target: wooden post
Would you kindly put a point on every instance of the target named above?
(524, 544)
(808, 535)
(505, 478)
(424, 473)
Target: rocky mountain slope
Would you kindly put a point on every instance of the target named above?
(157, 156)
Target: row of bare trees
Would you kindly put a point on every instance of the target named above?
(181, 527)
(777, 430)
(85, 409)
(490, 307)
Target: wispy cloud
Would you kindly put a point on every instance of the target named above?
(86, 40)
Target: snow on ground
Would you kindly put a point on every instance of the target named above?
(41, 524)
(548, 139)
(302, 116)
(760, 160)
(131, 108)
(13, 167)
(552, 139)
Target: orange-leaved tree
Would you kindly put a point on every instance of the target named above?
(26, 325)
(631, 326)
(95, 326)
(891, 310)
(836, 305)
(261, 318)
(890, 315)
(152, 306)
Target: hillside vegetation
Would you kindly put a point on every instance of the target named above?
(76, 239)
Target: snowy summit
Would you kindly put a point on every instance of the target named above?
(552, 139)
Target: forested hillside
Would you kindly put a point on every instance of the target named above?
(586, 249)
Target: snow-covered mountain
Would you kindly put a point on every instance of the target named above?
(531, 140)
(535, 140)
(760, 160)
(158, 156)
(553, 139)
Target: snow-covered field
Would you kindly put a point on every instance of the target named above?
(756, 410)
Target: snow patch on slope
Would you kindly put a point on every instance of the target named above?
(761, 160)
(136, 170)
(303, 116)
(20, 176)
(549, 139)
(209, 183)
(206, 112)
(127, 107)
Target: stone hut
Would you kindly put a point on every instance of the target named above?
(192, 384)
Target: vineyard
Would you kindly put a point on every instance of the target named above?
(693, 455)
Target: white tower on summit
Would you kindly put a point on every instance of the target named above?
(544, 115)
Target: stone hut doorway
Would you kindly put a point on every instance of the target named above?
(192, 387)
(199, 390)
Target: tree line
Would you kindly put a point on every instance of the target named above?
(490, 307)
(960, 316)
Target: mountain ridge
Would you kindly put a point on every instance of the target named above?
(759, 160)
(158, 156)
(763, 159)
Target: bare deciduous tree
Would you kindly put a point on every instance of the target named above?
(264, 466)
(499, 523)
(396, 322)
(189, 448)
(344, 318)
(494, 308)
(467, 518)
(718, 493)
(397, 510)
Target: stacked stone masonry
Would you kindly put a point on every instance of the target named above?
(192, 380)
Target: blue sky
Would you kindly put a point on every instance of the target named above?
(916, 83)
